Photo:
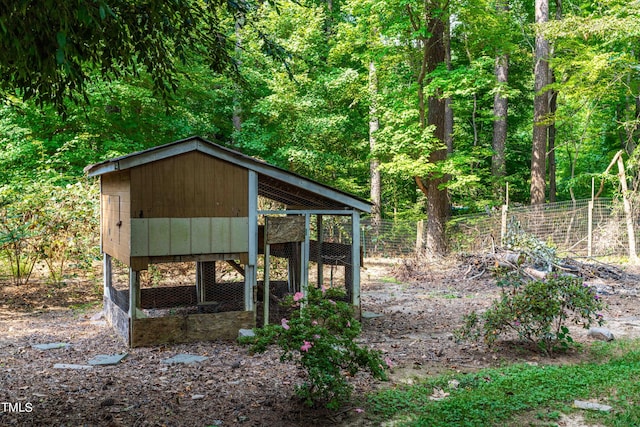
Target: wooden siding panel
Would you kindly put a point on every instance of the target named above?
(116, 209)
(189, 185)
(187, 236)
(180, 236)
(159, 236)
(201, 228)
(139, 237)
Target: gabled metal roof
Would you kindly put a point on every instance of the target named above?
(273, 183)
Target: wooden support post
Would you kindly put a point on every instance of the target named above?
(304, 257)
(107, 275)
(199, 287)
(633, 256)
(320, 233)
(134, 300)
(205, 273)
(420, 236)
(266, 293)
(503, 218)
(590, 229)
(355, 259)
(503, 224)
(251, 275)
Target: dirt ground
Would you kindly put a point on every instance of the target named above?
(419, 306)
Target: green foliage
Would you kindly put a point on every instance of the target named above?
(53, 50)
(320, 337)
(537, 311)
(500, 396)
(68, 228)
(56, 224)
(18, 236)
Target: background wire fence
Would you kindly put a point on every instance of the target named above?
(564, 225)
(391, 239)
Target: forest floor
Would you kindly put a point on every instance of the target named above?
(420, 307)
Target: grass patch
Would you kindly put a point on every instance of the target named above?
(508, 395)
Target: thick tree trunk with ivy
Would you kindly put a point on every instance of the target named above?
(432, 186)
(540, 109)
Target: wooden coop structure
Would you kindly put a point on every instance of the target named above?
(196, 202)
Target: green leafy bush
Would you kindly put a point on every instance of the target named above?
(48, 222)
(537, 311)
(320, 337)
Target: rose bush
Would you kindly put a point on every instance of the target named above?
(320, 337)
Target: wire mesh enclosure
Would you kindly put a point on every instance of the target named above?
(330, 263)
(182, 288)
(388, 238)
(576, 228)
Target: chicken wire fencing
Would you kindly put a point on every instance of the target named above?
(181, 288)
(576, 228)
(330, 263)
(388, 238)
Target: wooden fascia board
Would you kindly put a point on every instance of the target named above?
(101, 168)
(159, 154)
(148, 156)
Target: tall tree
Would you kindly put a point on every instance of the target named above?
(433, 114)
(540, 106)
(374, 127)
(500, 110)
(553, 107)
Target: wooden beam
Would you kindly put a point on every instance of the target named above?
(190, 328)
(236, 267)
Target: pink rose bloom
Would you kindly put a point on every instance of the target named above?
(285, 324)
(298, 296)
(306, 346)
(359, 410)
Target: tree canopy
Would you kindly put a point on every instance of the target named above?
(219, 66)
(52, 50)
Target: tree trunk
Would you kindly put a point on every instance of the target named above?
(540, 108)
(448, 111)
(438, 198)
(500, 108)
(236, 117)
(374, 165)
(551, 157)
(553, 106)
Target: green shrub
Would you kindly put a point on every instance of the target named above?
(537, 311)
(44, 221)
(320, 337)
